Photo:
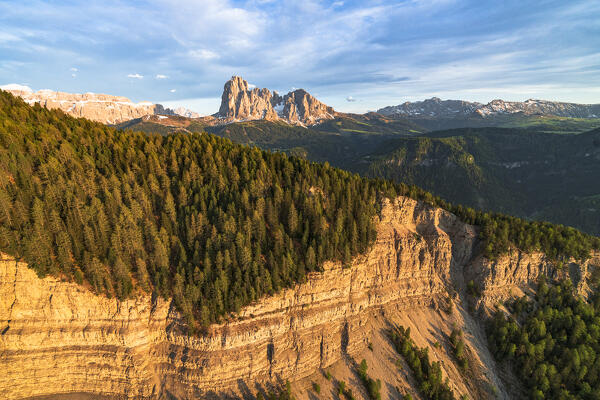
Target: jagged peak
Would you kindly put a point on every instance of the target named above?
(239, 103)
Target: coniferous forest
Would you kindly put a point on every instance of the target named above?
(553, 340)
(213, 224)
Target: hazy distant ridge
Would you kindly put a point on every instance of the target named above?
(437, 108)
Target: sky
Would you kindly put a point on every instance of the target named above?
(356, 56)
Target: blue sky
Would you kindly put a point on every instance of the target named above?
(353, 55)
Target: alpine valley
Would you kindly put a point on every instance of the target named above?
(280, 249)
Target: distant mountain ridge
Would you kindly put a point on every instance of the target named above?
(104, 108)
(239, 103)
(437, 108)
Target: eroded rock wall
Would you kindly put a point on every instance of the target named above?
(57, 337)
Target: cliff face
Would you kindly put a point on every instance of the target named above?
(239, 103)
(57, 337)
(103, 108)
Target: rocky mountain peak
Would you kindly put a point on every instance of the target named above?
(239, 103)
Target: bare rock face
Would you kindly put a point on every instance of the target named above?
(57, 337)
(239, 103)
(103, 108)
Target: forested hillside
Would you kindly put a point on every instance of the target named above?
(553, 341)
(214, 224)
(530, 174)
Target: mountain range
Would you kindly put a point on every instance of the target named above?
(437, 108)
(240, 103)
(104, 108)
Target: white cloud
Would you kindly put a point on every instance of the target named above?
(173, 90)
(334, 48)
(350, 99)
(73, 69)
(203, 54)
(6, 37)
(160, 76)
(74, 75)
(16, 86)
(217, 21)
(251, 85)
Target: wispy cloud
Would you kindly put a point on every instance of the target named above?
(203, 54)
(382, 51)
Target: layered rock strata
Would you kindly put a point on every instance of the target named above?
(103, 108)
(57, 337)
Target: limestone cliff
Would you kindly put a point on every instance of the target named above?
(57, 337)
(239, 103)
(103, 108)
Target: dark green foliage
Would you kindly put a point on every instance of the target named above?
(554, 343)
(428, 375)
(524, 172)
(458, 348)
(341, 387)
(317, 388)
(373, 386)
(284, 393)
(344, 391)
(531, 174)
(193, 216)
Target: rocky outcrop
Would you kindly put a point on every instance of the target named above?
(57, 337)
(239, 103)
(436, 108)
(496, 279)
(103, 108)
